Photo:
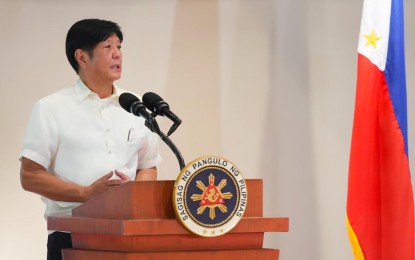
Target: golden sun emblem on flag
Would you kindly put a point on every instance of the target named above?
(211, 197)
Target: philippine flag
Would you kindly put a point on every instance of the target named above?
(380, 206)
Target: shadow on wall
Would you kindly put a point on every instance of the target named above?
(286, 160)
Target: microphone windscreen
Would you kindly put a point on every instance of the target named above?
(150, 99)
(126, 100)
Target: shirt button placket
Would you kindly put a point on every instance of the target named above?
(108, 136)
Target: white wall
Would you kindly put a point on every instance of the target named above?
(267, 84)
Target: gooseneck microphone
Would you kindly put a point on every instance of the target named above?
(133, 104)
(158, 106)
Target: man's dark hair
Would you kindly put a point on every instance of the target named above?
(86, 34)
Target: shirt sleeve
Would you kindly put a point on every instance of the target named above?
(41, 139)
(149, 155)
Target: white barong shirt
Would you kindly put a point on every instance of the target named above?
(79, 138)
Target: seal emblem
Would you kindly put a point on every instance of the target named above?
(210, 196)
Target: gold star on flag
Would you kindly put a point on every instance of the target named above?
(371, 39)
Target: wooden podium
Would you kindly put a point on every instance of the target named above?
(137, 221)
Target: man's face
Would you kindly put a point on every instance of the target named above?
(106, 61)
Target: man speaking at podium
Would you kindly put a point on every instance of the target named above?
(79, 142)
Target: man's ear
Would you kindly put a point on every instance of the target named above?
(81, 57)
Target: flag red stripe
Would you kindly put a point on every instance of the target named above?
(380, 200)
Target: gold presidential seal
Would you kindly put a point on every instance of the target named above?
(210, 196)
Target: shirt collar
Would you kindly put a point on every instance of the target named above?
(83, 92)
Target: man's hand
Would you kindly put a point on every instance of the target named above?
(104, 184)
(122, 176)
(35, 178)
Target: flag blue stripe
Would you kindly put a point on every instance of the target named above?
(395, 67)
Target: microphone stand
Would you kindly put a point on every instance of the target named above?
(151, 123)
